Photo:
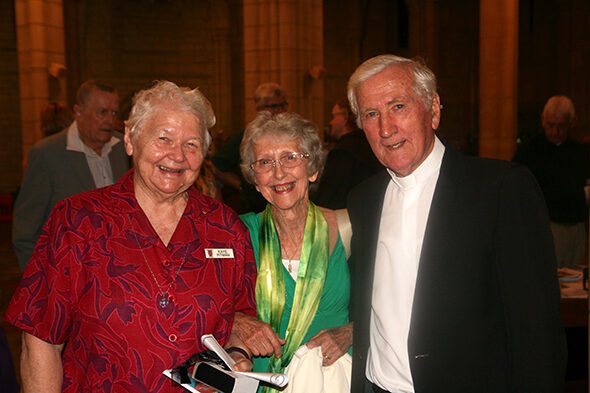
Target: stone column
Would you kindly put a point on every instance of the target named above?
(41, 59)
(283, 43)
(498, 78)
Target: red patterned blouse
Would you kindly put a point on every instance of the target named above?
(89, 285)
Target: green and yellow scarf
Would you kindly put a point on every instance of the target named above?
(270, 285)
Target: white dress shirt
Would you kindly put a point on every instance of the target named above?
(401, 233)
(100, 165)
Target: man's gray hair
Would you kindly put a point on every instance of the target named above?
(87, 88)
(167, 95)
(424, 79)
(559, 105)
(283, 127)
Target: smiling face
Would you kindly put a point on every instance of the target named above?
(399, 128)
(284, 188)
(167, 153)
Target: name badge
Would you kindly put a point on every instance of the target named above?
(219, 253)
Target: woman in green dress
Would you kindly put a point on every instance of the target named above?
(303, 284)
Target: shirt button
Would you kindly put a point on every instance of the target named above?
(166, 263)
(172, 337)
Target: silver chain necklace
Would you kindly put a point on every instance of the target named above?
(164, 297)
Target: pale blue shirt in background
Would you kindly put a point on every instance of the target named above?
(100, 165)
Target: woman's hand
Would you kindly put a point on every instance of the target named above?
(335, 342)
(258, 336)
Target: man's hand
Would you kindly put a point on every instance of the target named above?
(258, 336)
(335, 342)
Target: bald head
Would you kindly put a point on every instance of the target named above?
(558, 117)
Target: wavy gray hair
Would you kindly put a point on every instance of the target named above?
(165, 94)
(285, 126)
(424, 79)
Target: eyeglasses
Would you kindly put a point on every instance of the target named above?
(288, 160)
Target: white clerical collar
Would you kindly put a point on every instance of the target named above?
(429, 166)
(74, 142)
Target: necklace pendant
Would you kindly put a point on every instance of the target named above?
(163, 302)
(290, 268)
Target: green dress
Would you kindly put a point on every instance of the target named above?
(333, 307)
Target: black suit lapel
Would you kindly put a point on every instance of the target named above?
(437, 236)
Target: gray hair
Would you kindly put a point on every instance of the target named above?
(285, 126)
(560, 105)
(87, 88)
(165, 94)
(424, 79)
(267, 90)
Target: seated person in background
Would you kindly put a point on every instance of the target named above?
(88, 154)
(126, 279)
(562, 168)
(270, 97)
(303, 283)
(55, 116)
(349, 162)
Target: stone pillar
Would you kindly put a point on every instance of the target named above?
(283, 43)
(498, 78)
(41, 59)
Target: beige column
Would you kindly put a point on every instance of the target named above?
(283, 43)
(498, 78)
(41, 59)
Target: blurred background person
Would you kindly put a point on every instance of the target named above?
(88, 154)
(562, 168)
(135, 273)
(55, 116)
(303, 284)
(349, 162)
(269, 97)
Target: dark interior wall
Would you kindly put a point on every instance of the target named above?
(10, 137)
(554, 58)
(457, 70)
(342, 36)
(134, 42)
(360, 29)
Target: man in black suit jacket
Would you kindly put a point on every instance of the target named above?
(455, 286)
(86, 155)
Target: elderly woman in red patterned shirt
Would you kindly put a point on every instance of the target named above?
(125, 279)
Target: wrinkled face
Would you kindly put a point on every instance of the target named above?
(399, 128)
(284, 188)
(338, 122)
(556, 126)
(97, 118)
(167, 153)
